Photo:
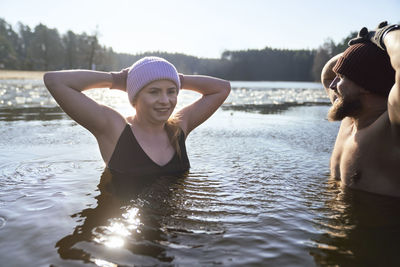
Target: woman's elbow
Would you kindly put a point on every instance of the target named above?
(227, 88)
(49, 79)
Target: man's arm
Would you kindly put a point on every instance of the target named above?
(392, 44)
(327, 75)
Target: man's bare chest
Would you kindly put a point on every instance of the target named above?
(348, 160)
(365, 163)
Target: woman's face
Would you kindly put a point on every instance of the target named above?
(156, 101)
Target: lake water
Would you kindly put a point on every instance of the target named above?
(258, 192)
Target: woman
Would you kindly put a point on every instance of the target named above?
(151, 142)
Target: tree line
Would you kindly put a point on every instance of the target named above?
(44, 48)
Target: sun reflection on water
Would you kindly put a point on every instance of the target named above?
(115, 233)
(103, 263)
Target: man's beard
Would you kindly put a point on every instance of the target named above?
(342, 108)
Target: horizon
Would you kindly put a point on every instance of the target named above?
(204, 29)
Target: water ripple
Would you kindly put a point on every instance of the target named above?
(258, 192)
(2, 222)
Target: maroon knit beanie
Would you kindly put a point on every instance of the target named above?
(368, 66)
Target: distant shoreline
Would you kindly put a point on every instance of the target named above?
(21, 74)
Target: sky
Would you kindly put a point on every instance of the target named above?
(204, 28)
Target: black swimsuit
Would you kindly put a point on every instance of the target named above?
(130, 159)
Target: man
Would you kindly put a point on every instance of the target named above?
(363, 84)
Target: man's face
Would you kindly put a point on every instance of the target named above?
(345, 97)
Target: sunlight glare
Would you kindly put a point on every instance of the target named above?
(115, 242)
(131, 218)
(117, 230)
(103, 263)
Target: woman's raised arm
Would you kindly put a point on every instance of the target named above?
(66, 87)
(214, 92)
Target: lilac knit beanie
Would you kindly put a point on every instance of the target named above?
(149, 69)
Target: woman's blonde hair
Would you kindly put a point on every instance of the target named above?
(173, 131)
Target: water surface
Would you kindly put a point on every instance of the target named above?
(258, 192)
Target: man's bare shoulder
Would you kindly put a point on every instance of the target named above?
(379, 128)
(382, 132)
(346, 126)
(384, 129)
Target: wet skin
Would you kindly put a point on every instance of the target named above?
(366, 154)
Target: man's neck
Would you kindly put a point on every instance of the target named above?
(373, 108)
